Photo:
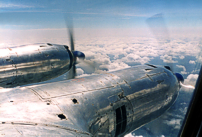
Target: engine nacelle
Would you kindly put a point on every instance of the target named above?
(33, 63)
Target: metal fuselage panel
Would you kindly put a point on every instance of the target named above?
(111, 104)
(32, 63)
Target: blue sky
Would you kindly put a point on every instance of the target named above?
(35, 14)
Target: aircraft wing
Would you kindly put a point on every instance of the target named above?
(30, 129)
(22, 113)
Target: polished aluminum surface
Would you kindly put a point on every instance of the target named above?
(111, 104)
(33, 63)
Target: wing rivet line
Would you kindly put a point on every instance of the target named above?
(49, 125)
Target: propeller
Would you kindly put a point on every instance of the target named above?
(198, 60)
(88, 66)
(158, 27)
(72, 71)
(197, 67)
(181, 81)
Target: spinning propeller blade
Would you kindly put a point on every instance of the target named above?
(158, 27)
(88, 67)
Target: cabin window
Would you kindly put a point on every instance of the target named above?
(121, 120)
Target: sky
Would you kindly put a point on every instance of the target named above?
(24, 22)
(23, 14)
(115, 34)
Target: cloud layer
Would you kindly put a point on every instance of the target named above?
(110, 50)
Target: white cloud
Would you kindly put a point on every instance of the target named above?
(192, 62)
(12, 5)
(133, 135)
(190, 80)
(117, 65)
(79, 71)
(183, 67)
(181, 57)
(129, 135)
(167, 59)
(111, 49)
(174, 122)
(111, 52)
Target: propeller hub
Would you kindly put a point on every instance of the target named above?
(79, 54)
(179, 77)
